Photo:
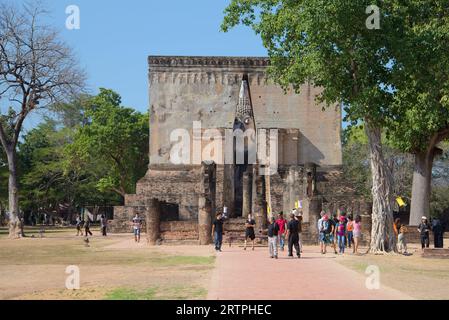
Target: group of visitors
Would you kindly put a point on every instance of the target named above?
(437, 229)
(278, 231)
(424, 229)
(339, 231)
(85, 224)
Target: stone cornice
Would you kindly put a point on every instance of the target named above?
(222, 70)
(208, 62)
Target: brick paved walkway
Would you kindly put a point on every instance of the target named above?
(252, 275)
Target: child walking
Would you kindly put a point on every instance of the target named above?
(400, 230)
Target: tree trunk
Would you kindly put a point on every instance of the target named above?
(13, 196)
(382, 234)
(421, 188)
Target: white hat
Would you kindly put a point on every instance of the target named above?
(423, 218)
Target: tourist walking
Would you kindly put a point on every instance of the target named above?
(424, 231)
(333, 235)
(293, 236)
(349, 230)
(249, 230)
(87, 227)
(437, 230)
(282, 223)
(298, 217)
(217, 231)
(137, 227)
(273, 231)
(104, 225)
(340, 233)
(400, 230)
(79, 222)
(321, 235)
(357, 233)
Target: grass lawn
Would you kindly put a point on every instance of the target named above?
(110, 268)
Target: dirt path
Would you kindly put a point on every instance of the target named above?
(252, 275)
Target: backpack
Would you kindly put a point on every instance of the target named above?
(328, 225)
(324, 227)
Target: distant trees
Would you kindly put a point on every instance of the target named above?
(356, 169)
(68, 159)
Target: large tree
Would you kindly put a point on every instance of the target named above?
(421, 85)
(328, 44)
(36, 70)
(114, 140)
(3, 185)
(356, 164)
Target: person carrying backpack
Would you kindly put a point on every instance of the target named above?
(323, 227)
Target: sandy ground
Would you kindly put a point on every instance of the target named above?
(34, 268)
(420, 278)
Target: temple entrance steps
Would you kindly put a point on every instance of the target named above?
(235, 228)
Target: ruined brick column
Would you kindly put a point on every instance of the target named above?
(153, 221)
(247, 188)
(313, 207)
(204, 221)
(259, 202)
(206, 202)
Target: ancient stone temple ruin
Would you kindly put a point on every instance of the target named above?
(223, 135)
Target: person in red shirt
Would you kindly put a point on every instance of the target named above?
(282, 223)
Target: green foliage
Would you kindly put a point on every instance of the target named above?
(356, 169)
(66, 160)
(356, 166)
(45, 184)
(328, 44)
(113, 142)
(439, 202)
(421, 76)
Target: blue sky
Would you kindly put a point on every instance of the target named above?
(116, 37)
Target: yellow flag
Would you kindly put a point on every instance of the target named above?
(400, 202)
(269, 209)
